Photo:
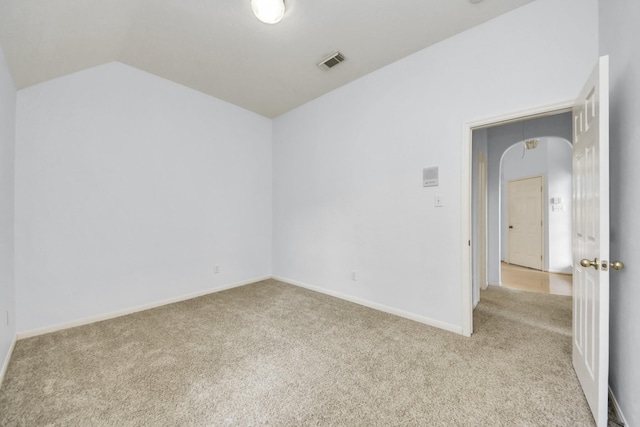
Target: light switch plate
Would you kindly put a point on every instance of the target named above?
(437, 201)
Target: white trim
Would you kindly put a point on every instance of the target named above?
(527, 113)
(87, 320)
(465, 205)
(465, 235)
(5, 365)
(374, 305)
(616, 407)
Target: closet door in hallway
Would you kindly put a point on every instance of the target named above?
(524, 201)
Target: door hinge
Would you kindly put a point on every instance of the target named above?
(469, 242)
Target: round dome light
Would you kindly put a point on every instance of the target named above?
(268, 11)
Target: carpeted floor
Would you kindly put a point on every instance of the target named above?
(274, 354)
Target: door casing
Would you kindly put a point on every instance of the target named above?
(483, 282)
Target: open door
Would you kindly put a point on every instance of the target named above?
(591, 239)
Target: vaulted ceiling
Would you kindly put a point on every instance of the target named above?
(218, 47)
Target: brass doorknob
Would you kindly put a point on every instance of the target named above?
(586, 263)
(617, 265)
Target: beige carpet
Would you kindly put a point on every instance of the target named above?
(274, 354)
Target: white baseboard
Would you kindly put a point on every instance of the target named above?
(72, 324)
(375, 305)
(5, 365)
(616, 407)
(495, 283)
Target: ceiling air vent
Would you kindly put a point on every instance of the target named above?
(331, 61)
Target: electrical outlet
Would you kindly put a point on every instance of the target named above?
(216, 269)
(353, 276)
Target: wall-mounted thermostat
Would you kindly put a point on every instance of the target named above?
(430, 176)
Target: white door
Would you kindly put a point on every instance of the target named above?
(591, 239)
(524, 204)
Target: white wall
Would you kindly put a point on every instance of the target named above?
(7, 144)
(129, 189)
(347, 166)
(619, 33)
(500, 139)
(560, 222)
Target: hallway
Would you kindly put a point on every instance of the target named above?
(526, 279)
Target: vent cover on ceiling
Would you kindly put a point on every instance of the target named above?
(331, 61)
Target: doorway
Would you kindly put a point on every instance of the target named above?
(590, 239)
(475, 141)
(531, 158)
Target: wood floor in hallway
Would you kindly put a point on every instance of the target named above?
(527, 279)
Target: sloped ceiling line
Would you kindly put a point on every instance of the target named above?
(221, 49)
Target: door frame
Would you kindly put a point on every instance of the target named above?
(543, 237)
(466, 205)
(483, 281)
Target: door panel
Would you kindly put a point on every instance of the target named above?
(591, 240)
(524, 201)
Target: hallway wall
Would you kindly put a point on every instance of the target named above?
(618, 32)
(552, 159)
(7, 150)
(500, 139)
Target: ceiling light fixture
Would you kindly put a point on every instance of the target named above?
(530, 144)
(268, 11)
